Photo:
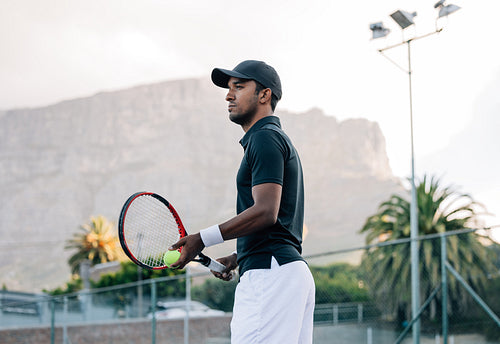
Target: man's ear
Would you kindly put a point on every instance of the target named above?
(265, 95)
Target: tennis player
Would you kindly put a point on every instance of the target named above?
(274, 299)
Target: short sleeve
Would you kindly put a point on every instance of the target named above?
(266, 154)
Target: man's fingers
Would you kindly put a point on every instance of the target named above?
(191, 247)
(181, 262)
(177, 245)
(225, 276)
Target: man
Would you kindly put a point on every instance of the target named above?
(274, 299)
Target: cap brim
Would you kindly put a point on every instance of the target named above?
(220, 77)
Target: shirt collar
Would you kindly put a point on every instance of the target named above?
(258, 125)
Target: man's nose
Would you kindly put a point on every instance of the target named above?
(229, 95)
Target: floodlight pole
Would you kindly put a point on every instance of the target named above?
(415, 278)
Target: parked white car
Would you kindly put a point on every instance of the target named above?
(177, 310)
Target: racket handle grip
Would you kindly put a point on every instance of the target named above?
(216, 266)
(210, 263)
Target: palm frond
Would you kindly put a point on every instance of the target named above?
(440, 209)
(94, 241)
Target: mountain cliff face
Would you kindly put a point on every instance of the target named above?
(63, 163)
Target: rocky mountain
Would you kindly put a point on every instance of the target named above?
(62, 163)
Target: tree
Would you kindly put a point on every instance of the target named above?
(216, 293)
(73, 286)
(129, 272)
(94, 242)
(338, 283)
(440, 210)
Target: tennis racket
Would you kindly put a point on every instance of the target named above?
(148, 226)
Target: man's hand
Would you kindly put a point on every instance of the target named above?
(191, 245)
(230, 263)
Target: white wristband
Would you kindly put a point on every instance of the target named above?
(211, 236)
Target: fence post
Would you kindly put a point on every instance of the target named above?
(153, 307)
(335, 314)
(65, 321)
(444, 291)
(139, 292)
(188, 304)
(52, 320)
(360, 312)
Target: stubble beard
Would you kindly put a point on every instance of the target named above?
(241, 119)
(245, 117)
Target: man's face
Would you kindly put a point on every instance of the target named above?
(242, 100)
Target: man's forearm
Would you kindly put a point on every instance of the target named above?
(263, 214)
(250, 221)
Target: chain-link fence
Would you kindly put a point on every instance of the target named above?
(369, 301)
(363, 295)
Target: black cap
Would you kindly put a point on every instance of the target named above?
(252, 70)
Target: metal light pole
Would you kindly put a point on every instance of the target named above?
(404, 20)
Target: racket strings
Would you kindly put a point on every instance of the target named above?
(150, 230)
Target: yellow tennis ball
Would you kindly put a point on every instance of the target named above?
(170, 257)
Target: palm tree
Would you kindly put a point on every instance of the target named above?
(94, 242)
(440, 210)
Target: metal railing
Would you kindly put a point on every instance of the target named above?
(458, 302)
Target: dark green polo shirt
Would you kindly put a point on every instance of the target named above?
(270, 157)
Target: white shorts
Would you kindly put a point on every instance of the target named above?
(274, 306)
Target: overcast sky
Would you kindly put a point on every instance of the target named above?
(61, 49)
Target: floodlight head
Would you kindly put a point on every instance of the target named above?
(448, 9)
(404, 19)
(378, 30)
(439, 4)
